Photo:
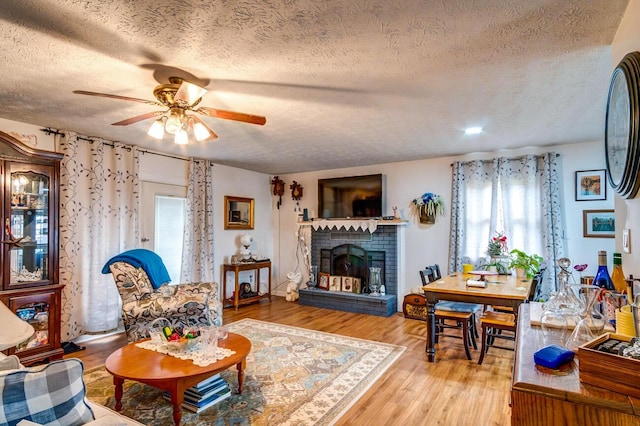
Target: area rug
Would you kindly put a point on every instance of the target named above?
(294, 376)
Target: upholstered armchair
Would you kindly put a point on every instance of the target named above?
(182, 304)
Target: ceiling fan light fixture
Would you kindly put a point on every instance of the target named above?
(201, 132)
(174, 122)
(157, 129)
(181, 137)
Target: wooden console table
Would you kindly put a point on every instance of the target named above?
(235, 299)
(540, 396)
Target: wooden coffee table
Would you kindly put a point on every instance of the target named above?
(169, 373)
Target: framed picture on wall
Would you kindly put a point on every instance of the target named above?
(591, 185)
(598, 223)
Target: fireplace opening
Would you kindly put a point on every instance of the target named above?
(352, 260)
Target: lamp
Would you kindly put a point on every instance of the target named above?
(13, 330)
(177, 123)
(157, 128)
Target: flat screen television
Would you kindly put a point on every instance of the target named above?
(350, 197)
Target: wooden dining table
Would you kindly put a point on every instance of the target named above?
(500, 290)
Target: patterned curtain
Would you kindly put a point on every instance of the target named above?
(98, 219)
(518, 196)
(197, 259)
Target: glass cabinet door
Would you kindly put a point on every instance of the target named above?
(26, 230)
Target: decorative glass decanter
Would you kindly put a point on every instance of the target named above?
(562, 308)
(591, 321)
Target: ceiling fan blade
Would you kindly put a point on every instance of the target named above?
(230, 115)
(138, 118)
(189, 93)
(212, 134)
(122, 98)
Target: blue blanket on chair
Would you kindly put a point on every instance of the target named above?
(149, 261)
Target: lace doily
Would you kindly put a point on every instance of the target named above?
(195, 354)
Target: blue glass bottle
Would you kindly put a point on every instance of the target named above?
(602, 278)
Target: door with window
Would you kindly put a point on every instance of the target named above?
(163, 216)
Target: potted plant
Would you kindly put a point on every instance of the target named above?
(526, 265)
(499, 257)
(429, 205)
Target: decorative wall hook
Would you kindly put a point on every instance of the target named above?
(278, 189)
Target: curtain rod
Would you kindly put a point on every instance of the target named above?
(520, 157)
(51, 131)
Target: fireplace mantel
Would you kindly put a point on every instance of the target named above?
(357, 224)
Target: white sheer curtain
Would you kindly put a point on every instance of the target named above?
(516, 196)
(197, 259)
(98, 219)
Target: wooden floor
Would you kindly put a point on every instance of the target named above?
(451, 391)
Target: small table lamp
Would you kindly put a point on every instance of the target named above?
(13, 330)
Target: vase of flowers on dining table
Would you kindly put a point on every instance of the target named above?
(498, 254)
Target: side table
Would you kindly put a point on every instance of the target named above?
(235, 299)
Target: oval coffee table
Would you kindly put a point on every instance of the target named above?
(169, 373)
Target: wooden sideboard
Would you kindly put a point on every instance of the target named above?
(541, 396)
(235, 300)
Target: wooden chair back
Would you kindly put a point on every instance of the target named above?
(427, 276)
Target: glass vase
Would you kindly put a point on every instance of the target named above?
(313, 277)
(591, 321)
(374, 281)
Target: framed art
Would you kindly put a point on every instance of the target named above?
(238, 212)
(323, 280)
(357, 285)
(347, 284)
(598, 223)
(591, 185)
(335, 283)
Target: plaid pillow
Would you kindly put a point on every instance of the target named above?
(53, 395)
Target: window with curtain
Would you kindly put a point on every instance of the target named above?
(518, 197)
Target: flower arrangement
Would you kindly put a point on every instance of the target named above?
(497, 245)
(430, 203)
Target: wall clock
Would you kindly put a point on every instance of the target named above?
(622, 127)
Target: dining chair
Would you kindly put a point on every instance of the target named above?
(462, 314)
(494, 323)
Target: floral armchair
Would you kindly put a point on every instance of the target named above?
(182, 304)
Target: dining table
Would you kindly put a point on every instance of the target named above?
(498, 290)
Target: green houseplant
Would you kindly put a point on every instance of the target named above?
(528, 263)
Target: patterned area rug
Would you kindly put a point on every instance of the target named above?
(294, 376)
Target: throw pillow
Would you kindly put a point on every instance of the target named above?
(53, 395)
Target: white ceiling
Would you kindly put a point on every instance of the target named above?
(342, 82)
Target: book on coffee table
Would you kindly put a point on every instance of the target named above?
(204, 394)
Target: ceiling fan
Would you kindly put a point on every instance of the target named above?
(179, 97)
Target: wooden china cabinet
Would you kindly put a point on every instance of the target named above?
(29, 256)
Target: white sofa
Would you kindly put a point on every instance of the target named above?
(66, 378)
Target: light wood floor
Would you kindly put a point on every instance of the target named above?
(451, 391)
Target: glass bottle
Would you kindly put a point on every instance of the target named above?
(602, 278)
(617, 275)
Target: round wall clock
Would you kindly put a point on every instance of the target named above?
(621, 132)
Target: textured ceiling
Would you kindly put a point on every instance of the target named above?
(342, 83)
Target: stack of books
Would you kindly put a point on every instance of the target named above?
(205, 394)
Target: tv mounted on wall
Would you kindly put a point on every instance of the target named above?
(350, 197)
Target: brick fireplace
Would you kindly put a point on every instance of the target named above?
(349, 248)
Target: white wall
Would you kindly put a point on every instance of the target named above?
(427, 244)
(43, 141)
